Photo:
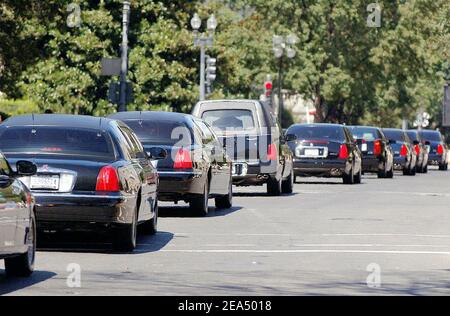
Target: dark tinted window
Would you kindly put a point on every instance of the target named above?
(366, 133)
(317, 132)
(397, 136)
(413, 135)
(157, 132)
(431, 136)
(55, 141)
(237, 120)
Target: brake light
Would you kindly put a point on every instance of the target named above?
(183, 160)
(343, 152)
(417, 148)
(377, 148)
(272, 152)
(404, 151)
(108, 180)
(440, 149)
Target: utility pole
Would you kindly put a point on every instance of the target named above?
(124, 58)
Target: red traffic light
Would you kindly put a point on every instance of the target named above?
(268, 85)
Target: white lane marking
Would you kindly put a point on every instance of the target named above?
(309, 251)
(386, 235)
(370, 245)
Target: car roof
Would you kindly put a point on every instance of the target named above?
(429, 131)
(151, 115)
(229, 100)
(363, 126)
(393, 130)
(66, 120)
(317, 124)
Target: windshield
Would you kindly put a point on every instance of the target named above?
(431, 136)
(55, 141)
(158, 132)
(397, 136)
(230, 120)
(366, 133)
(413, 135)
(316, 132)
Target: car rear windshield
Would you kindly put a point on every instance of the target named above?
(413, 136)
(315, 132)
(431, 136)
(234, 120)
(56, 141)
(366, 133)
(159, 132)
(397, 136)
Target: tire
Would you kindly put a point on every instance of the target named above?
(382, 174)
(287, 187)
(23, 265)
(413, 171)
(425, 169)
(199, 205)
(225, 202)
(349, 179)
(406, 172)
(358, 177)
(390, 173)
(125, 237)
(151, 227)
(274, 187)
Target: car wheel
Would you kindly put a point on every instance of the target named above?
(349, 178)
(406, 172)
(390, 173)
(274, 187)
(382, 173)
(125, 237)
(199, 205)
(23, 265)
(287, 186)
(226, 201)
(151, 227)
(413, 171)
(425, 169)
(358, 177)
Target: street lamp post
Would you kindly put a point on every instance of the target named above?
(283, 47)
(203, 40)
(124, 58)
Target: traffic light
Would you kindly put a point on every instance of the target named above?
(268, 88)
(211, 75)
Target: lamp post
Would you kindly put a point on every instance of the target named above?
(283, 47)
(203, 40)
(124, 58)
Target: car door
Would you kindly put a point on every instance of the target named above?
(147, 174)
(210, 148)
(9, 208)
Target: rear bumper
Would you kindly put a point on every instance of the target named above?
(176, 186)
(87, 208)
(370, 164)
(256, 173)
(319, 167)
(436, 160)
(400, 163)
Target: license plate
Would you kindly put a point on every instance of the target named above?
(45, 182)
(364, 147)
(237, 169)
(312, 153)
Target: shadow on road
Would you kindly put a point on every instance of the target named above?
(260, 194)
(185, 211)
(10, 284)
(98, 243)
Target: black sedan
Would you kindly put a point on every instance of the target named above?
(437, 149)
(378, 156)
(421, 150)
(405, 158)
(93, 173)
(194, 167)
(325, 150)
(17, 220)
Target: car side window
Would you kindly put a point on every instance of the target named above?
(5, 170)
(207, 134)
(133, 147)
(348, 136)
(137, 145)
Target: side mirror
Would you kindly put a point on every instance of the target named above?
(157, 153)
(26, 168)
(291, 137)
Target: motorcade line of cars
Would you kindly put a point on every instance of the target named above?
(71, 173)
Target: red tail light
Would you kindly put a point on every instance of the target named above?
(183, 160)
(440, 150)
(417, 149)
(343, 152)
(272, 152)
(377, 148)
(108, 180)
(404, 151)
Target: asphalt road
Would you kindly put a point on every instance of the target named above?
(320, 240)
